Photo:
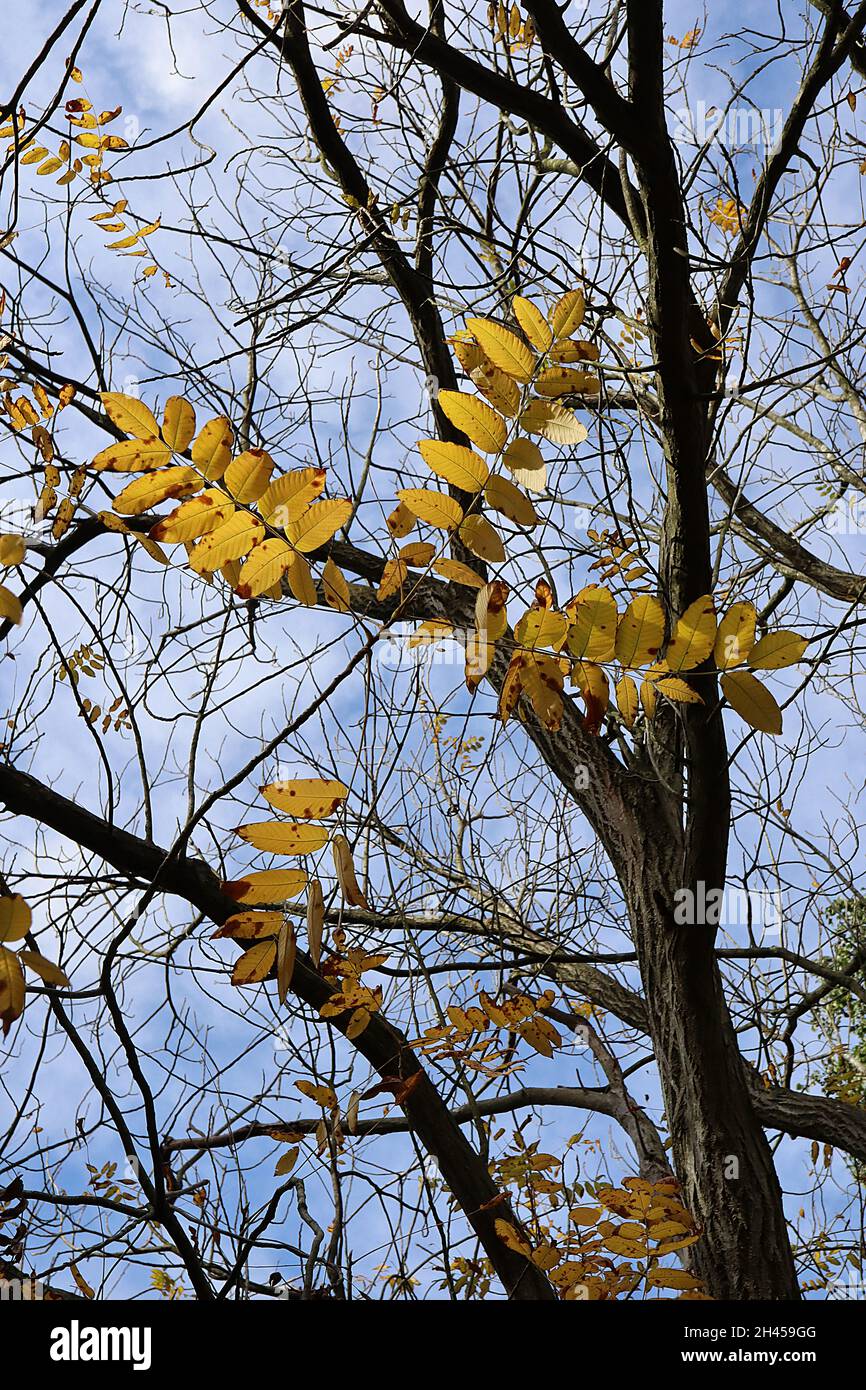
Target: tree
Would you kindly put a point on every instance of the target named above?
(331, 657)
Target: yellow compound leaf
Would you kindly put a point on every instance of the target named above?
(694, 636)
(533, 322)
(479, 536)
(335, 588)
(129, 414)
(777, 650)
(640, 633)
(133, 456)
(318, 524)
(154, 488)
(568, 314)
(255, 964)
(267, 564)
(248, 475)
(435, 508)
(475, 419)
(283, 837)
(752, 701)
(735, 636)
(306, 798)
(289, 496)
(212, 448)
(178, 425)
(461, 467)
(505, 349)
(504, 497)
(267, 886)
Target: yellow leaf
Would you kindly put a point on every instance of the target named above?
(306, 798)
(752, 701)
(479, 536)
(235, 537)
(394, 576)
(504, 497)
(10, 606)
(735, 636)
(283, 837)
(357, 1023)
(435, 508)
(194, 519)
(12, 550)
(459, 573)
(533, 322)
(417, 553)
(248, 475)
(286, 954)
(554, 422)
(542, 680)
(301, 581)
(541, 628)
(130, 415)
(315, 920)
(672, 1279)
(497, 389)
(640, 633)
(694, 636)
(504, 349)
(12, 989)
(594, 687)
(212, 448)
(267, 886)
(335, 588)
(523, 459)
(592, 634)
(45, 969)
(648, 698)
(510, 1236)
(287, 1162)
(288, 496)
(178, 425)
(777, 650)
(475, 419)
(267, 563)
(461, 467)
(400, 522)
(133, 456)
(627, 701)
(565, 381)
(318, 524)
(345, 867)
(251, 926)
(255, 964)
(678, 690)
(322, 1095)
(568, 314)
(154, 488)
(15, 917)
(585, 1216)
